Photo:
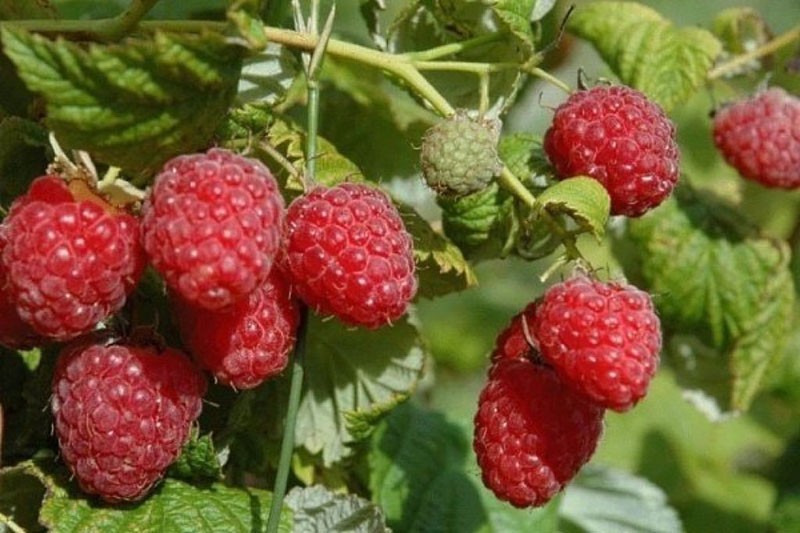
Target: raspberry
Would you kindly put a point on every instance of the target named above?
(760, 137)
(532, 434)
(348, 254)
(516, 341)
(248, 342)
(603, 339)
(618, 137)
(70, 263)
(122, 414)
(212, 226)
(459, 155)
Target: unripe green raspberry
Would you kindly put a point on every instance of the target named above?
(459, 155)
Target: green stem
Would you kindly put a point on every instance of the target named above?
(454, 48)
(767, 48)
(543, 74)
(287, 443)
(10, 524)
(126, 21)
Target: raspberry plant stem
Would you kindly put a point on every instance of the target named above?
(287, 442)
(454, 48)
(767, 48)
(10, 524)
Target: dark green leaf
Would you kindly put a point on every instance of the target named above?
(199, 460)
(132, 105)
(646, 51)
(483, 224)
(318, 509)
(417, 473)
(22, 156)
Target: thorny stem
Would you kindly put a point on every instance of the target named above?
(763, 50)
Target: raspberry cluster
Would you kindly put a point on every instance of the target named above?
(585, 346)
(235, 264)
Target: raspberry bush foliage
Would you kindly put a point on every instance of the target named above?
(414, 265)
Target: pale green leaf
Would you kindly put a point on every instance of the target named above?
(541, 8)
(723, 287)
(646, 50)
(318, 509)
(516, 16)
(132, 105)
(353, 373)
(581, 198)
(267, 76)
(741, 30)
(331, 166)
(605, 500)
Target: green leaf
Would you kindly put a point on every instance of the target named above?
(441, 268)
(22, 156)
(132, 105)
(25, 9)
(417, 473)
(516, 16)
(482, 224)
(723, 287)
(267, 76)
(581, 198)
(331, 166)
(318, 509)
(424, 475)
(199, 459)
(605, 500)
(353, 374)
(646, 51)
(21, 494)
(175, 506)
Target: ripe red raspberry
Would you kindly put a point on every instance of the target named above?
(620, 138)
(122, 414)
(532, 434)
(349, 254)
(760, 137)
(516, 341)
(212, 226)
(70, 262)
(248, 342)
(603, 339)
